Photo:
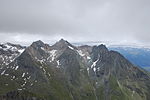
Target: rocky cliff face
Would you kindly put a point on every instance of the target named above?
(66, 72)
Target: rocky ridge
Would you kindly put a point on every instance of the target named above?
(67, 72)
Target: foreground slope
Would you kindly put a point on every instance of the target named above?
(66, 72)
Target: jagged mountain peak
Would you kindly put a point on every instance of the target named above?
(9, 45)
(9, 52)
(63, 44)
(99, 51)
(38, 43)
(101, 48)
(10, 48)
(62, 40)
(37, 49)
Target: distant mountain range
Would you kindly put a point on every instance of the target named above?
(138, 56)
(64, 71)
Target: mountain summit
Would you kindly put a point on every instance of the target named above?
(62, 44)
(67, 72)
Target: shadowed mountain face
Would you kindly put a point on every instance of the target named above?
(66, 72)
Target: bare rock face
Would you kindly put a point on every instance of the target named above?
(8, 52)
(117, 75)
(66, 72)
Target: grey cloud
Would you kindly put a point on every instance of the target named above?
(76, 20)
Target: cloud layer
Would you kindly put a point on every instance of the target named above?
(76, 20)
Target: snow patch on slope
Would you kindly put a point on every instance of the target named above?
(53, 54)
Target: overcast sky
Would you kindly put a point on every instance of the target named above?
(114, 21)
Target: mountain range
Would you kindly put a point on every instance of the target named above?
(66, 72)
(139, 56)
